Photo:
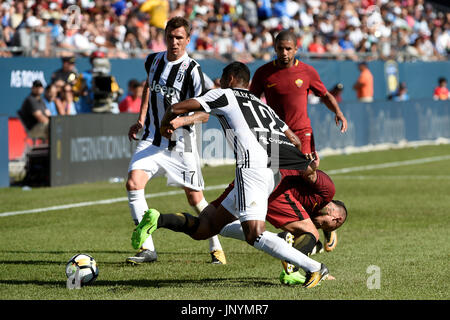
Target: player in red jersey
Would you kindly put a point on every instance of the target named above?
(300, 205)
(286, 83)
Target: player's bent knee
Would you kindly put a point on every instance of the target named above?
(136, 181)
(252, 230)
(252, 235)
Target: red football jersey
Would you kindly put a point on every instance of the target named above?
(313, 197)
(286, 91)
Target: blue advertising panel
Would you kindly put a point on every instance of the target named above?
(18, 74)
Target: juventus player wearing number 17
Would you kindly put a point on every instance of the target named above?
(172, 76)
(262, 144)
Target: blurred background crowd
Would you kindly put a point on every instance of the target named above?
(242, 30)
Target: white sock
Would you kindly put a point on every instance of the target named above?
(214, 243)
(278, 248)
(138, 206)
(233, 230)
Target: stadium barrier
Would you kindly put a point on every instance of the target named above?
(4, 159)
(18, 74)
(89, 147)
(95, 147)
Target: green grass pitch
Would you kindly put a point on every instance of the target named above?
(394, 245)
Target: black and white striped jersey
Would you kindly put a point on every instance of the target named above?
(170, 82)
(253, 129)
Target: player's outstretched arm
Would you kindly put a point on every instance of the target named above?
(293, 139)
(174, 111)
(331, 103)
(196, 117)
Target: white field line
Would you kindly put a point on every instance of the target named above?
(389, 165)
(106, 201)
(223, 186)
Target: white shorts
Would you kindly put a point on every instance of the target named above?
(249, 197)
(182, 169)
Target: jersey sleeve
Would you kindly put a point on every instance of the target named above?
(213, 99)
(316, 84)
(198, 81)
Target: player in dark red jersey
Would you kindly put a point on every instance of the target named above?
(286, 83)
(300, 206)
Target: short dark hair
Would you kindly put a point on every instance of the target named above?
(37, 83)
(133, 83)
(442, 79)
(238, 70)
(177, 22)
(286, 35)
(341, 204)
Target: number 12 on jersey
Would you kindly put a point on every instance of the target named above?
(264, 118)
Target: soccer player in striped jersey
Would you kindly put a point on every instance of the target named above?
(263, 144)
(172, 76)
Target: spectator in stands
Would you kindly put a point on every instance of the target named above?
(65, 100)
(402, 94)
(68, 72)
(84, 88)
(50, 94)
(394, 27)
(132, 102)
(157, 42)
(250, 12)
(364, 85)
(316, 46)
(158, 11)
(34, 114)
(441, 92)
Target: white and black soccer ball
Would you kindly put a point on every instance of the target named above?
(87, 266)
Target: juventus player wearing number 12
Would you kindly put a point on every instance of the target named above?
(172, 76)
(262, 144)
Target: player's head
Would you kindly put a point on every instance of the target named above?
(286, 47)
(37, 88)
(177, 37)
(362, 65)
(235, 75)
(442, 82)
(332, 216)
(68, 63)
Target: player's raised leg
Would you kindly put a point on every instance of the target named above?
(198, 204)
(208, 224)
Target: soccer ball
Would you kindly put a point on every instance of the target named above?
(86, 266)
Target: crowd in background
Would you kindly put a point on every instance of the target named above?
(228, 29)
